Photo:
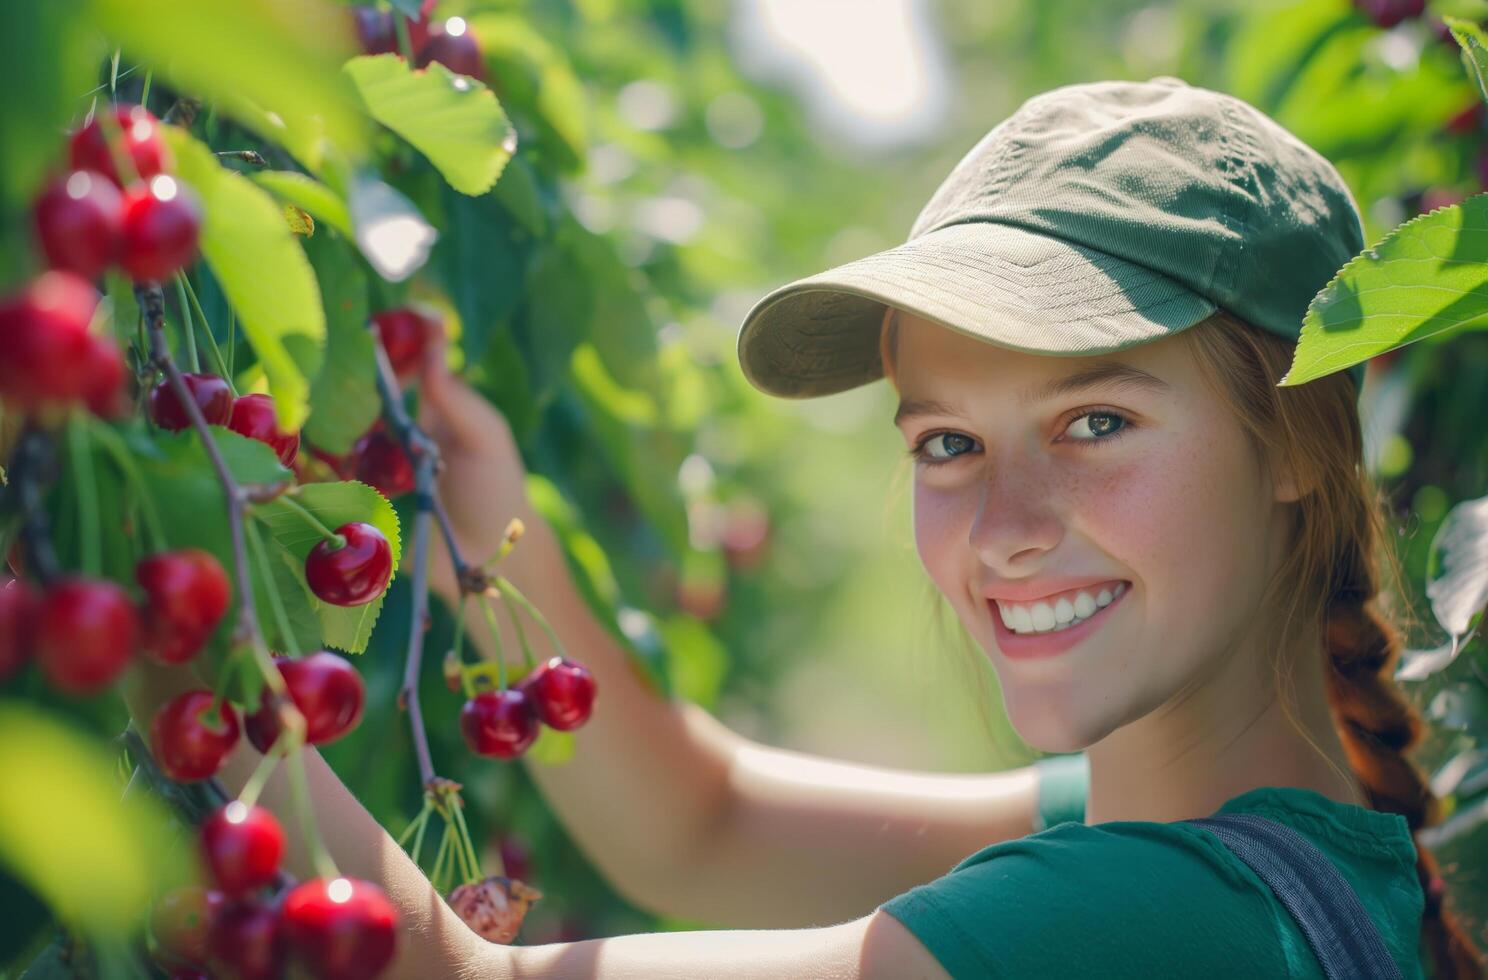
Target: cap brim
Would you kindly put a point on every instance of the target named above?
(1000, 283)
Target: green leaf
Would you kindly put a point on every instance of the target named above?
(1425, 279)
(333, 504)
(552, 748)
(279, 58)
(263, 272)
(95, 859)
(343, 397)
(483, 258)
(452, 119)
(308, 193)
(1474, 50)
(518, 194)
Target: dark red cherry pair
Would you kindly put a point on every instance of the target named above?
(354, 571)
(50, 357)
(325, 688)
(503, 724)
(186, 595)
(332, 929)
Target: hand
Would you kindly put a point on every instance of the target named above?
(482, 485)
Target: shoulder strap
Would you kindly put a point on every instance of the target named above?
(1326, 908)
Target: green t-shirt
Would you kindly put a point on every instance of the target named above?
(1137, 898)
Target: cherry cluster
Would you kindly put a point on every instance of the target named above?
(84, 631)
(449, 42)
(503, 724)
(332, 928)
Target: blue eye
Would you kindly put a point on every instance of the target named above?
(943, 446)
(1095, 426)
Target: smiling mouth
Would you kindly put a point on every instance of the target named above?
(1067, 610)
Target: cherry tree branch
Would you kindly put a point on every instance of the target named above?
(31, 469)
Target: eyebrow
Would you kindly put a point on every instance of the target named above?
(1112, 375)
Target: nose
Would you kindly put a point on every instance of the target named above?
(1016, 523)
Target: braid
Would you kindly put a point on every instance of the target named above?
(1378, 727)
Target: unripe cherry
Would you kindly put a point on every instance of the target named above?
(499, 724)
(162, 225)
(185, 746)
(186, 595)
(253, 415)
(326, 689)
(341, 928)
(84, 633)
(243, 846)
(354, 574)
(210, 392)
(79, 220)
(139, 133)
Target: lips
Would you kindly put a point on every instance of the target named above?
(1048, 643)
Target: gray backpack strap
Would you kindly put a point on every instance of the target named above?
(1326, 908)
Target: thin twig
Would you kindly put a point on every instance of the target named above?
(31, 470)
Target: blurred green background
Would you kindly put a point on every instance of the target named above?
(693, 155)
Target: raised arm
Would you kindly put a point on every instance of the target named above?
(681, 814)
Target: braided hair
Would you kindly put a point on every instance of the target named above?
(1331, 582)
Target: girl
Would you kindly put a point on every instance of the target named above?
(1168, 559)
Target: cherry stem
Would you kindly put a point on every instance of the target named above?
(521, 635)
(31, 469)
(495, 629)
(276, 602)
(80, 455)
(299, 787)
(105, 436)
(467, 846)
(188, 330)
(510, 591)
(152, 305)
(263, 771)
(201, 317)
(337, 541)
(145, 95)
(405, 43)
(113, 141)
(416, 824)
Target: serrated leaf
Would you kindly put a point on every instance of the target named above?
(1460, 551)
(262, 270)
(452, 119)
(1427, 278)
(294, 627)
(343, 397)
(333, 504)
(307, 193)
(280, 57)
(95, 859)
(1474, 50)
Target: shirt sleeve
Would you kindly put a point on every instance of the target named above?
(1064, 782)
(1077, 901)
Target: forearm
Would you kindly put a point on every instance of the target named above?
(643, 786)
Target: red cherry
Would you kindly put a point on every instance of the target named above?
(562, 692)
(211, 394)
(418, 27)
(186, 595)
(139, 132)
(382, 463)
(354, 574)
(501, 724)
(455, 48)
(246, 942)
(405, 332)
(79, 219)
(186, 748)
(180, 922)
(374, 30)
(18, 603)
(516, 860)
(45, 339)
(326, 688)
(103, 378)
(341, 929)
(253, 416)
(243, 846)
(162, 225)
(1388, 13)
(85, 631)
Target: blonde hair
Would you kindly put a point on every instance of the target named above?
(1330, 584)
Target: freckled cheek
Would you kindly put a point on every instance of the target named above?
(942, 524)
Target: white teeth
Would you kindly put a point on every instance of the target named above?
(1041, 617)
(1084, 605)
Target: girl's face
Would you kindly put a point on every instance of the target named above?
(1100, 524)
